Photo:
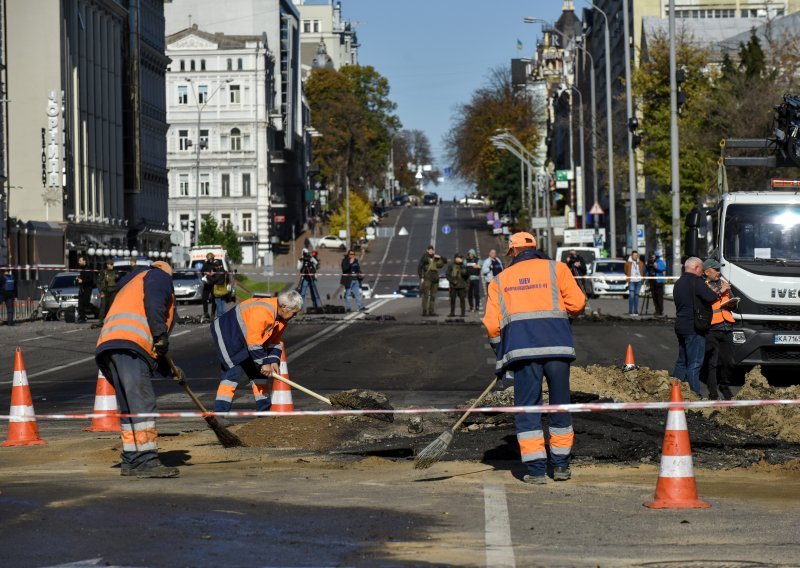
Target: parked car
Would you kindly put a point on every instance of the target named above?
(366, 292)
(188, 286)
(430, 199)
(62, 295)
(122, 266)
(331, 241)
(472, 200)
(401, 199)
(609, 278)
(408, 290)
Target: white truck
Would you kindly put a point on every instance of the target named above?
(756, 237)
(197, 256)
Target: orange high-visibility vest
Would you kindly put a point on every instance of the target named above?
(720, 314)
(127, 319)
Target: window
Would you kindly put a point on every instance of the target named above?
(236, 140)
(226, 185)
(247, 222)
(202, 65)
(183, 185)
(183, 94)
(225, 219)
(184, 221)
(307, 26)
(202, 94)
(316, 26)
(204, 139)
(240, 64)
(234, 94)
(183, 65)
(230, 64)
(205, 185)
(246, 185)
(192, 65)
(183, 140)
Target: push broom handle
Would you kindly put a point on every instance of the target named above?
(302, 388)
(177, 375)
(474, 404)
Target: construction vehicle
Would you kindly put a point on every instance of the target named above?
(755, 235)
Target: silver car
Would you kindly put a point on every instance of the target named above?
(609, 278)
(62, 295)
(188, 286)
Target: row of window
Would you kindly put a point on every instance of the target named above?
(191, 65)
(311, 26)
(234, 94)
(245, 224)
(233, 141)
(186, 190)
(725, 13)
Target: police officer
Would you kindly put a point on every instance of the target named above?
(247, 339)
(130, 349)
(527, 320)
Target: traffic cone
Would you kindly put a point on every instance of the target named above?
(281, 392)
(105, 402)
(22, 429)
(629, 362)
(676, 487)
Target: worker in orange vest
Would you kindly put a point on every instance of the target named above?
(130, 349)
(718, 361)
(248, 339)
(527, 320)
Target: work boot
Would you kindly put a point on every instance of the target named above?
(726, 392)
(562, 473)
(153, 468)
(535, 479)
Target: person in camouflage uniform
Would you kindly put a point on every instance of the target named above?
(107, 286)
(429, 266)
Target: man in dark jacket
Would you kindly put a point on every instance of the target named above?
(473, 265)
(85, 281)
(9, 294)
(457, 278)
(207, 271)
(107, 288)
(428, 270)
(691, 293)
(351, 280)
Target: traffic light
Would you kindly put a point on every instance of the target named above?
(680, 78)
(636, 137)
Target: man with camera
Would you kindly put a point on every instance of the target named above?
(307, 265)
(656, 268)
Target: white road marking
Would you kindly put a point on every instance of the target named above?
(386, 252)
(35, 338)
(491, 361)
(639, 335)
(72, 331)
(433, 227)
(499, 549)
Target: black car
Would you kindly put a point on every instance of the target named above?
(430, 199)
(401, 199)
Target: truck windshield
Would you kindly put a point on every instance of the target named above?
(767, 233)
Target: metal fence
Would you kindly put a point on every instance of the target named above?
(24, 310)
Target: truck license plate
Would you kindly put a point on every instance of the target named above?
(787, 339)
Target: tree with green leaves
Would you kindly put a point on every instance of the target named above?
(226, 237)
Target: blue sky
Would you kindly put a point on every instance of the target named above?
(435, 53)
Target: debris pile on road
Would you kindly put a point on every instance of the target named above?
(640, 384)
(363, 399)
(780, 421)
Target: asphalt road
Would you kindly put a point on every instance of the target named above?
(65, 502)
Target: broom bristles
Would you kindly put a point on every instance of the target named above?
(227, 438)
(434, 451)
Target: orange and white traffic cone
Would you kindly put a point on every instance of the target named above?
(105, 402)
(676, 487)
(281, 392)
(630, 363)
(22, 429)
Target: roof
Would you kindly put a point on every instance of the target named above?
(221, 40)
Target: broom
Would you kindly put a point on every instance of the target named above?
(436, 449)
(227, 438)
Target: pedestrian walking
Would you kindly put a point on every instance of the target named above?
(85, 281)
(718, 363)
(693, 301)
(491, 267)
(351, 280)
(634, 271)
(527, 321)
(458, 279)
(129, 352)
(656, 269)
(248, 342)
(308, 265)
(107, 286)
(207, 270)
(473, 265)
(9, 294)
(428, 270)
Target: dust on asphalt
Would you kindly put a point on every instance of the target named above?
(721, 439)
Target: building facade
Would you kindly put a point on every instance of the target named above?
(324, 31)
(216, 90)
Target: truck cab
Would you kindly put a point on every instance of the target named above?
(756, 237)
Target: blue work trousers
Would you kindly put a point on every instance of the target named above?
(691, 350)
(246, 372)
(528, 377)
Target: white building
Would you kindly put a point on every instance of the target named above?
(324, 32)
(216, 109)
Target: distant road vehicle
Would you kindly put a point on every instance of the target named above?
(444, 283)
(430, 199)
(188, 286)
(408, 290)
(472, 200)
(61, 295)
(331, 242)
(401, 199)
(609, 278)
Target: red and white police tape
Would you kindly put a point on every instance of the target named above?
(544, 408)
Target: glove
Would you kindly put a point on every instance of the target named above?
(179, 374)
(161, 346)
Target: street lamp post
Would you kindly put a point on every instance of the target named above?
(630, 117)
(674, 158)
(200, 108)
(580, 134)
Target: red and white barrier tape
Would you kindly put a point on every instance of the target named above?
(544, 409)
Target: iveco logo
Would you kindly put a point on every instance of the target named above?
(785, 293)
